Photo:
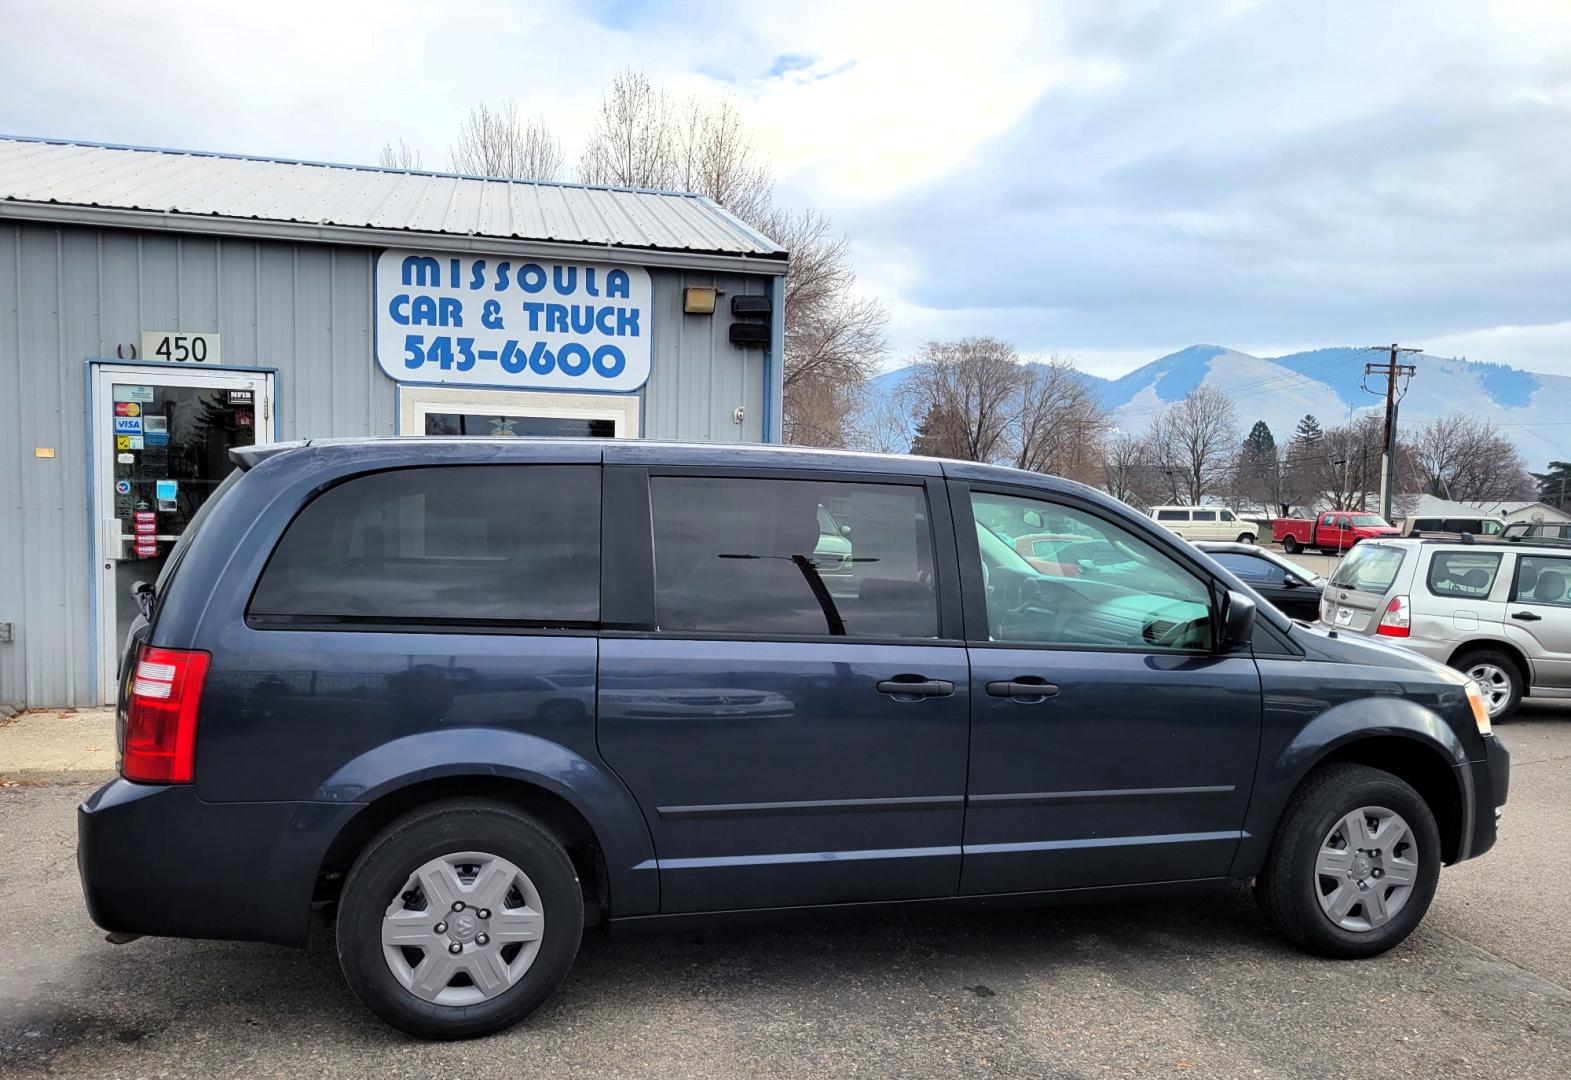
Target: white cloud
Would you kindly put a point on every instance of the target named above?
(1112, 181)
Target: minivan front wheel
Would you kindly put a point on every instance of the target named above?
(1354, 863)
(459, 919)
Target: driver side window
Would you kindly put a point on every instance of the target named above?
(1054, 575)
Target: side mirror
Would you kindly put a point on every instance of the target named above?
(1291, 582)
(845, 530)
(1238, 621)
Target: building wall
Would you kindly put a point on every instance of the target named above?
(71, 293)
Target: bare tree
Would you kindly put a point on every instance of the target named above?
(834, 340)
(1461, 458)
(1059, 422)
(495, 142)
(1128, 473)
(1195, 437)
(402, 156)
(969, 390)
(716, 157)
(634, 142)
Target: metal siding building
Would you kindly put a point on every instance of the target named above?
(277, 260)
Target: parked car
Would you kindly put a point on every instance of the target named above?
(1294, 590)
(1333, 531)
(338, 705)
(1205, 523)
(1536, 532)
(1501, 614)
(1480, 528)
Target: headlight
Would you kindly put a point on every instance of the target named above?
(1480, 709)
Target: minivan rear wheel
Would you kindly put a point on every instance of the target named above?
(459, 919)
(1498, 679)
(1354, 863)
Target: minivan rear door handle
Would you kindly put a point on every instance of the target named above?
(1526, 616)
(1028, 690)
(914, 686)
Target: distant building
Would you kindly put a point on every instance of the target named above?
(1508, 510)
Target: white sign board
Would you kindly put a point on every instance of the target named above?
(517, 323)
(181, 348)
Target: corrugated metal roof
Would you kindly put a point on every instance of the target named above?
(220, 186)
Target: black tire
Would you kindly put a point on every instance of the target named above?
(428, 833)
(1290, 544)
(1246, 538)
(1464, 662)
(1287, 888)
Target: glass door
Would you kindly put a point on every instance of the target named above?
(161, 442)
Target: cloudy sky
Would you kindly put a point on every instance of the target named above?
(1109, 180)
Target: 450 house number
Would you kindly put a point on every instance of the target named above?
(180, 348)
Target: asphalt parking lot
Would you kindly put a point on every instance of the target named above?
(1191, 988)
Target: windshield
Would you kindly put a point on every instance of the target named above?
(1370, 521)
(1370, 568)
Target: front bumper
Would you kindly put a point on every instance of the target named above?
(1490, 783)
(155, 859)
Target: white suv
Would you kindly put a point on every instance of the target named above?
(1205, 523)
(1500, 613)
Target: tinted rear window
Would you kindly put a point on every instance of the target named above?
(1370, 568)
(484, 544)
(1172, 515)
(748, 556)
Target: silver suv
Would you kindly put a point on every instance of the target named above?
(1500, 613)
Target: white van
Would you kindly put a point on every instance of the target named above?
(1205, 523)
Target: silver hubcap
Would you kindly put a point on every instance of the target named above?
(463, 929)
(1493, 683)
(1366, 869)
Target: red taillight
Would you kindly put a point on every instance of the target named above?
(1395, 622)
(160, 715)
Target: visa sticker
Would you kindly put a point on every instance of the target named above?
(128, 425)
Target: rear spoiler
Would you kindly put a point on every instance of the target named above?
(249, 456)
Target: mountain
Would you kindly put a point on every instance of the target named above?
(1529, 408)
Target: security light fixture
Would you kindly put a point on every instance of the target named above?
(698, 300)
(743, 333)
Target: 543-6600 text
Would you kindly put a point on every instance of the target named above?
(460, 354)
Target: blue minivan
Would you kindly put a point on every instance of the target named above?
(469, 696)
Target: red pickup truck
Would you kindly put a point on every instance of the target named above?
(1333, 531)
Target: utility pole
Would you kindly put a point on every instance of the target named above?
(1390, 369)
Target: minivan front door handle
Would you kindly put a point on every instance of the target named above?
(1526, 616)
(1022, 690)
(914, 686)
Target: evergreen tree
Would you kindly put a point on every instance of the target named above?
(1308, 430)
(1554, 486)
(1260, 442)
(928, 441)
(1257, 465)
